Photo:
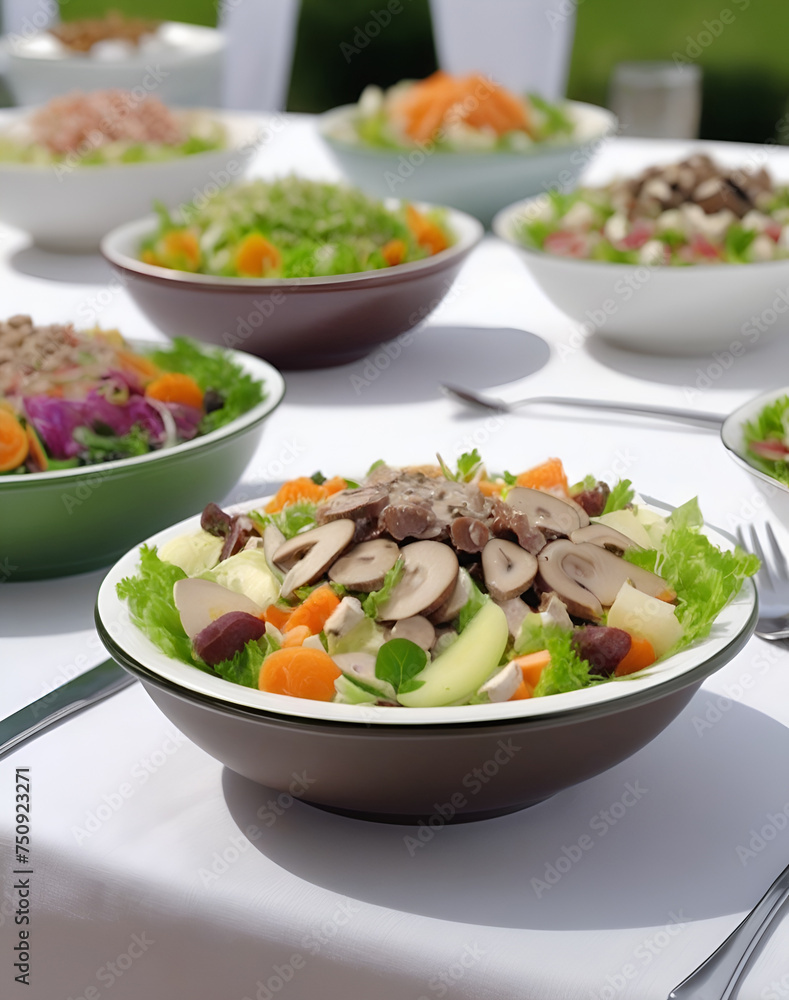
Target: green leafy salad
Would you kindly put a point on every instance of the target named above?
(427, 586)
(767, 440)
(293, 228)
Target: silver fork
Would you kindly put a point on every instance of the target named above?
(772, 583)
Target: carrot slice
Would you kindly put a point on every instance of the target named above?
(181, 250)
(295, 636)
(532, 666)
(299, 672)
(522, 691)
(427, 233)
(257, 256)
(304, 488)
(14, 442)
(173, 387)
(144, 368)
(640, 655)
(394, 252)
(489, 488)
(549, 476)
(314, 611)
(277, 616)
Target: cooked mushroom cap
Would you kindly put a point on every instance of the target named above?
(308, 556)
(508, 569)
(201, 602)
(366, 565)
(457, 599)
(418, 629)
(567, 567)
(546, 511)
(608, 538)
(429, 576)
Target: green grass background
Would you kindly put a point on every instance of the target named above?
(745, 68)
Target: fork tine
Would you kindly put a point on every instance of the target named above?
(764, 573)
(781, 569)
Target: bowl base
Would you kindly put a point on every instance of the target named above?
(403, 819)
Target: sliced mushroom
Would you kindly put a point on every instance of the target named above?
(366, 502)
(366, 565)
(457, 599)
(273, 539)
(516, 611)
(608, 538)
(418, 629)
(309, 555)
(503, 685)
(547, 511)
(567, 568)
(429, 576)
(509, 570)
(201, 602)
(468, 534)
(346, 616)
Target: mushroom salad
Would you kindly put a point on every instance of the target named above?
(424, 586)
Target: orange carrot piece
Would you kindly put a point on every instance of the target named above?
(304, 488)
(257, 257)
(295, 636)
(181, 250)
(299, 672)
(314, 611)
(549, 476)
(14, 442)
(640, 655)
(144, 368)
(277, 616)
(523, 690)
(489, 488)
(427, 233)
(669, 596)
(532, 666)
(394, 252)
(173, 387)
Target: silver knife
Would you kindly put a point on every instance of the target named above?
(74, 696)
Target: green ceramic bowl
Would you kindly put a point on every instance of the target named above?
(74, 520)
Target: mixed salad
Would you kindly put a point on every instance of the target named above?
(767, 440)
(108, 126)
(428, 586)
(91, 35)
(690, 212)
(73, 398)
(455, 114)
(293, 228)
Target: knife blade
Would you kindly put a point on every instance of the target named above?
(74, 696)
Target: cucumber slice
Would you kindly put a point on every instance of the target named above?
(457, 673)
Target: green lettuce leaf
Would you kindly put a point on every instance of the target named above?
(398, 662)
(566, 671)
(290, 520)
(376, 598)
(620, 496)
(244, 667)
(704, 577)
(212, 370)
(473, 604)
(770, 424)
(151, 605)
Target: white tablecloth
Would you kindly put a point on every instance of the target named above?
(157, 874)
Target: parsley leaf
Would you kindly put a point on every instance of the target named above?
(376, 598)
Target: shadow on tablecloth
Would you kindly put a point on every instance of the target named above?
(410, 370)
(694, 826)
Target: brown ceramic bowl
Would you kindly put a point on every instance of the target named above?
(398, 765)
(291, 322)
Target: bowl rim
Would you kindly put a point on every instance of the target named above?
(10, 48)
(234, 122)
(503, 227)
(732, 437)
(257, 367)
(467, 229)
(608, 126)
(136, 652)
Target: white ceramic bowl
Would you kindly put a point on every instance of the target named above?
(401, 763)
(477, 182)
(72, 209)
(182, 65)
(775, 493)
(657, 310)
